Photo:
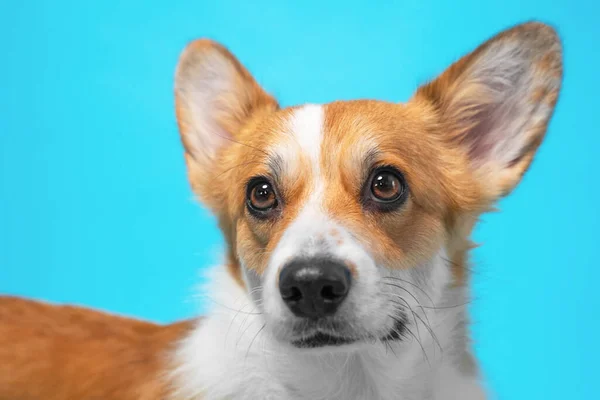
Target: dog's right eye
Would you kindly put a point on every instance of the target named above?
(260, 197)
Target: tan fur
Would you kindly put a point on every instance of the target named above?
(50, 352)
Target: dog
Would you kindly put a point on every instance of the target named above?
(347, 227)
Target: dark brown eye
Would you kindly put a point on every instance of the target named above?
(386, 186)
(386, 189)
(261, 197)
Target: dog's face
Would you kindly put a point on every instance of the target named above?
(344, 219)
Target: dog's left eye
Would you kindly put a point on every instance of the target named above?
(386, 188)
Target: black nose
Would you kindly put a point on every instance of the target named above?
(314, 287)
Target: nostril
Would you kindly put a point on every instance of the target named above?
(291, 294)
(328, 293)
(331, 293)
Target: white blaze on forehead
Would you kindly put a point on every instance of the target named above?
(301, 138)
(306, 125)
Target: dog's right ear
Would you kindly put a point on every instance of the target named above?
(214, 97)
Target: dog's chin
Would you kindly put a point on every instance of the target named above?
(332, 340)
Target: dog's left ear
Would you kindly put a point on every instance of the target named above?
(495, 103)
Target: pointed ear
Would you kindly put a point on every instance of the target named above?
(495, 103)
(215, 96)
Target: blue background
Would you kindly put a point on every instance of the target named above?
(94, 203)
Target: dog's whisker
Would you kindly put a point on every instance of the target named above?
(415, 315)
(240, 336)
(415, 337)
(233, 309)
(237, 314)
(404, 289)
(252, 341)
(391, 348)
(412, 284)
(430, 329)
(231, 323)
(446, 307)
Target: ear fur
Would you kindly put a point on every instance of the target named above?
(495, 103)
(215, 96)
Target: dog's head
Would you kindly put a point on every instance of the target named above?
(342, 220)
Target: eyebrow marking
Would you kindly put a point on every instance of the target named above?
(275, 164)
(371, 158)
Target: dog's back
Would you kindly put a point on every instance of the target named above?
(54, 352)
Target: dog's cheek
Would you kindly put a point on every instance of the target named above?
(254, 284)
(367, 300)
(252, 240)
(408, 239)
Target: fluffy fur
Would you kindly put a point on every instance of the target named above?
(461, 143)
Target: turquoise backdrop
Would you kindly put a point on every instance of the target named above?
(94, 203)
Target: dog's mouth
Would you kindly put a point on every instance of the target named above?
(322, 339)
(325, 339)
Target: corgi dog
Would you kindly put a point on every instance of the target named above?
(347, 227)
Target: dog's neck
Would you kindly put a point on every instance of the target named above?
(230, 355)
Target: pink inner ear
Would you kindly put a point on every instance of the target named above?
(486, 138)
(499, 111)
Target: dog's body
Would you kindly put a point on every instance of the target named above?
(347, 227)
